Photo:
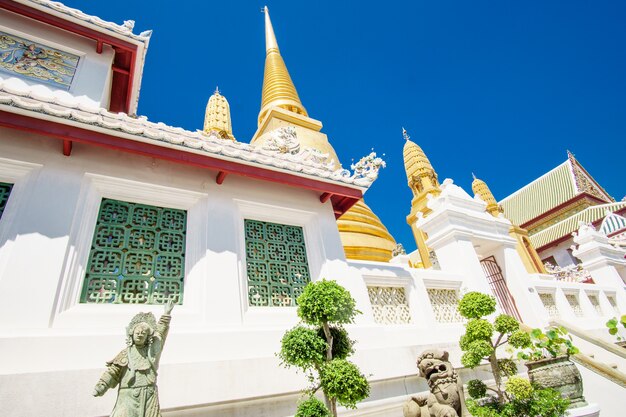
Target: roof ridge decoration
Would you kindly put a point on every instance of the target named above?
(584, 182)
(125, 29)
(62, 106)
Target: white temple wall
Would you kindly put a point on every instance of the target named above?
(91, 82)
(219, 349)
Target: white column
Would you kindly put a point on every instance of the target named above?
(602, 260)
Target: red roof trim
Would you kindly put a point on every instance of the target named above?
(122, 83)
(342, 197)
(568, 236)
(580, 196)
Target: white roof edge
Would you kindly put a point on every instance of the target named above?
(121, 32)
(60, 107)
(532, 182)
(142, 50)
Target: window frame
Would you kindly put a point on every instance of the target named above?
(69, 311)
(309, 223)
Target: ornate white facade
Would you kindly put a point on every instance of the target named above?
(220, 354)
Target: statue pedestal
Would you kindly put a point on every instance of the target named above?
(590, 410)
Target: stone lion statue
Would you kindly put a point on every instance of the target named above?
(446, 393)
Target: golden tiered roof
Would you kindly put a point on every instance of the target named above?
(363, 235)
(481, 189)
(278, 89)
(217, 116)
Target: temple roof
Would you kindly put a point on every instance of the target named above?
(41, 102)
(612, 223)
(551, 190)
(566, 227)
(54, 7)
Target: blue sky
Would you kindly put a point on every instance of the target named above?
(498, 88)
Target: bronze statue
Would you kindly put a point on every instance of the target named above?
(134, 369)
(446, 392)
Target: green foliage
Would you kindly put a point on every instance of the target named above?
(326, 302)
(478, 329)
(475, 305)
(507, 367)
(302, 347)
(505, 324)
(312, 407)
(520, 339)
(325, 305)
(555, 342)
(476, 351)
(519, 388)
(342, 344)
(540, 402)
(343, 380)
(476, 388)
(613, 327)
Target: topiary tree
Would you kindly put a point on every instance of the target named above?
(319, 347)
(482, 340)
(516, 397)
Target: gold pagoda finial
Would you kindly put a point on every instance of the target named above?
(405, 135)
(217, 117)
(278, 89)
(481, 189)
(419, 172)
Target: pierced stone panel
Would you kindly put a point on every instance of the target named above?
(549, 303)
(137, 255)
(595, 302)
(389, 305)
(276, 263)
(444, 303)
(5, 191)
(573, 301)
(613, 302)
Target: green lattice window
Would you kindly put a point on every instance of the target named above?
(137, 255)
(276, 263)
(5, 190)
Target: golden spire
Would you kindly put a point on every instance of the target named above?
(278, 89)
(481, 189)
(419, 172)
(217, 117)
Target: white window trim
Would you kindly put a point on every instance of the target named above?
(309, 222)
(69, 311)
(18, 173)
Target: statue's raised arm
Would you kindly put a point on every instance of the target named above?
(134, 369)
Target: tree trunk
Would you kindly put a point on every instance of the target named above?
(495, 369)
(329, 340)
(331, 403)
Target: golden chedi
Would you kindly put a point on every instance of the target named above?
(422, 180)
(217, 117)
(481, 189)
(363, 235)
